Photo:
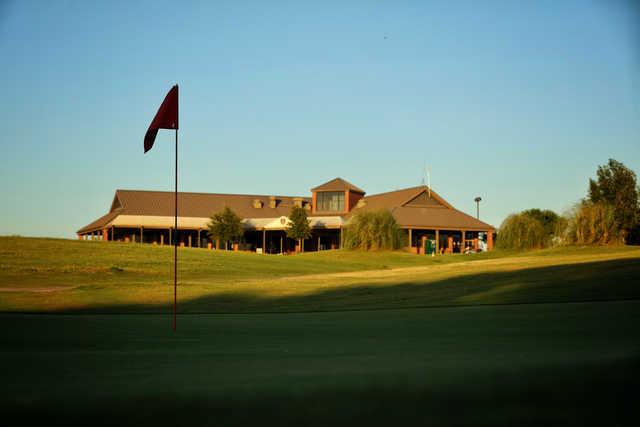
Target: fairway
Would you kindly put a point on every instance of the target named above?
(567, 363)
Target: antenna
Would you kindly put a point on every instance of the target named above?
(428, 172)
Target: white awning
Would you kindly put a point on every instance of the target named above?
(135, 221)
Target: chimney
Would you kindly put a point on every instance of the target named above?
(257, 203)
(273, 202)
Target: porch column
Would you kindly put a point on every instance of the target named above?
(198, 237)
(170, 241)
(105, 234)
(141, 235)
(161, 238)
(450, 244)
(280, 244)
(489, 240)
(79, 236)
(463, 243)
(189, 239)
(264, 241)
(318, 243)
(410, 239)
(475, 244)
(217, 244)
(113, 233)
(437, 242)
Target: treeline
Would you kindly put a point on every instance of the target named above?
(610, 214)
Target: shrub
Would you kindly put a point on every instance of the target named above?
(594, 223)
(372, 230)
(522, 231)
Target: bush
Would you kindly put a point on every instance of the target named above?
(372, 230)
(594, 223)
(522, 231)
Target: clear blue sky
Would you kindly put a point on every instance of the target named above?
(517, 102)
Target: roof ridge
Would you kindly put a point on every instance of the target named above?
(397, 191)
(338, 179)
(209, 194)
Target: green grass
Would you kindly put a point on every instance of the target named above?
(339, 337)
(502, 365)
(55, 275)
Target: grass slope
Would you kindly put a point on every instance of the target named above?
(61, 275)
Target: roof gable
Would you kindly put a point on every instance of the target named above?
(116, 204)
(424, 196)
(338, 184)
(423, 200)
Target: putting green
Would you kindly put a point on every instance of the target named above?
(566, 363)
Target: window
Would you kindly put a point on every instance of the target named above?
(330, 201)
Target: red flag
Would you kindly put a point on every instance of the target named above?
(166, 118)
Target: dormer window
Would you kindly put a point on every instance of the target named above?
(330, 201)
(336, 196)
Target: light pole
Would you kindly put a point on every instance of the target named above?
(477, 200)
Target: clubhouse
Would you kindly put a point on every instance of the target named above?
(147, 217)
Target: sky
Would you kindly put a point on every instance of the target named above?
(515, 102)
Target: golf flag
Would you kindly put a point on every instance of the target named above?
(166, 118)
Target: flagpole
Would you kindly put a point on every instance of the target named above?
(175, 246)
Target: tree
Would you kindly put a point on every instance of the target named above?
(226, 226)
(593, 224)
(298, 227)
(548, 218)
(616, 186)
(372, 230)
(522, 231)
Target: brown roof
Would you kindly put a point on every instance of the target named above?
(414, 207)
(203, 205)
(411, 207)
(338, 184)
(99, 223)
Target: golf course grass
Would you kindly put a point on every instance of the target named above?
(54, 275)
(536, 338)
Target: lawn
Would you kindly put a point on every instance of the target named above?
(389, 338)
(53, 275)
(533, 364)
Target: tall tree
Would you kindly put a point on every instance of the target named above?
(298, 227)
(616, 186)
(226, 226)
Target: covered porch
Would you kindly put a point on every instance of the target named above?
(437, 241)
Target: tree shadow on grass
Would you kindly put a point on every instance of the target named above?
(593, 281)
